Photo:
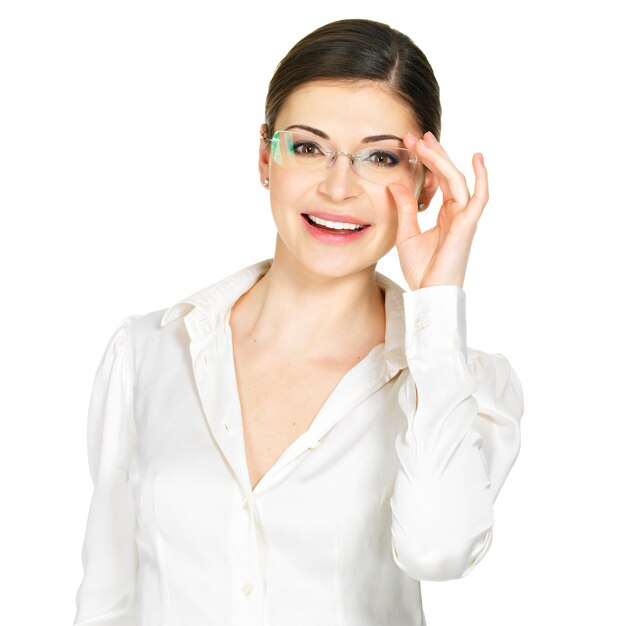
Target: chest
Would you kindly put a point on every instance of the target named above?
(279, 400)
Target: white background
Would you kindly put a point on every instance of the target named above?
(115, 199)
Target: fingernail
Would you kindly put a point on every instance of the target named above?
(480, 156)
(412, 137)
(423, 143)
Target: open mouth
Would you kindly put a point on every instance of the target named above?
(325, 226)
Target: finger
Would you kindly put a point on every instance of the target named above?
(454, 181)
(406, 204)
(451, 180)
(480, 196)
(430, 139)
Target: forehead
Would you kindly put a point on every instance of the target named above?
(346, 110)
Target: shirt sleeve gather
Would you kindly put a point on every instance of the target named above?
(106, 595)
(460, 442)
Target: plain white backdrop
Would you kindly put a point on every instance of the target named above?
(128, 179)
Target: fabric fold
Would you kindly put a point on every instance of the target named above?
(460, 442)
(106, 595)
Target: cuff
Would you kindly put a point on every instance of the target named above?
(435, 318)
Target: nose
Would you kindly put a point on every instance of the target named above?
(340, 181)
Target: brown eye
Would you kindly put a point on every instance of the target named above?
(305, 148)
(308, 148)
(382, 158)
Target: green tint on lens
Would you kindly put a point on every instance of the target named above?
(276, 152)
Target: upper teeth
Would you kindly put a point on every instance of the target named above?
(338, 225)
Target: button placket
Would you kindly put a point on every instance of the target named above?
(248, 596)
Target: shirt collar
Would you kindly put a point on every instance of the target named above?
(210, 305)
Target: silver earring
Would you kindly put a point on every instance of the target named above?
(421, 206)
(266, 182)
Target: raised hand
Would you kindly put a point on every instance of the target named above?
(439, 256)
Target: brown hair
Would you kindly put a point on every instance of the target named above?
(353, 50)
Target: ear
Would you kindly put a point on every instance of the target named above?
(429, 188)
(264, 153)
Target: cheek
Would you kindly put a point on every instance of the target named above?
(287, 201)
(388, 207)
(284, 189)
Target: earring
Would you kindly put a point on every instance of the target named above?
(421, 206)
(266, 182)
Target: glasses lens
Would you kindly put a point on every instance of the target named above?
(386, 164)
(298, 151)
(378, 164)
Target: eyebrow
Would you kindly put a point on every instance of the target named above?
(321, 133)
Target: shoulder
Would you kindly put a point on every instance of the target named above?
(151, 344)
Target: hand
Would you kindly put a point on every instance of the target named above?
(439, 256)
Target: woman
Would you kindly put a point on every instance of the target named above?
(304, 441)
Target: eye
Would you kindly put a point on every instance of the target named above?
(308, 148)
(382, 158)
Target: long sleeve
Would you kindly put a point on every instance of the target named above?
(460, 442)
(106, 594)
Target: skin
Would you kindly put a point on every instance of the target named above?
(328, 292)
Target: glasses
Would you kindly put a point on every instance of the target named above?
(377, 164)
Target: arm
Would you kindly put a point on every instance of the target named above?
(460, 443)
(106, 594)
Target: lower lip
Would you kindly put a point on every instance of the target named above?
(328, 237)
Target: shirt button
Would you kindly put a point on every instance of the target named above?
(314, 445)
(247, 589)
(421, 322)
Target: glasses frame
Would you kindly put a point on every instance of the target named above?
(331, 156)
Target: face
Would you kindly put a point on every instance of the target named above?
(347, 114)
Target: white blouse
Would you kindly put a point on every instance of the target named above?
(374, 497)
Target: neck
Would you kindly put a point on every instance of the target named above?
(292, 306)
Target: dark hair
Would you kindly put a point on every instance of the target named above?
(352, 50)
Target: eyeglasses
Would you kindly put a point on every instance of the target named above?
(378, 164)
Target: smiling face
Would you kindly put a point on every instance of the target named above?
(347, 114)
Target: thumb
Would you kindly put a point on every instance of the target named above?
(406, 204)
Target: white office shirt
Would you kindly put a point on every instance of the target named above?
(371, 499)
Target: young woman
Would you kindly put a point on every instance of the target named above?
(304, 441)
